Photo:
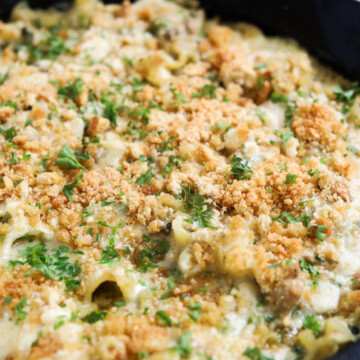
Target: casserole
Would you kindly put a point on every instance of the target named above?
(173, 189)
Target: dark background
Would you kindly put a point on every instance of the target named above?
(328, 29)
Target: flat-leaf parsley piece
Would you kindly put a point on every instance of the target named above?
(68, 189)
(19, 310)
(164, 317)
(347, 96)
(240, 168)
(50, 47)
(195, 311)
(195, 202)
(145, 178)
(53, 265)
(320, 233)
(290, 179)
(290, 109)
(207, 90)
(111, 109)
(67, 158)
(184, 348)
(256, 354)
(309, 269)
(310, 322)
(109, 254)
(71, 90)
(94, 317)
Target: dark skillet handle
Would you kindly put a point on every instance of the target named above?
(329, 29)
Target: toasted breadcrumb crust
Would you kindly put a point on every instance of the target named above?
(172, 188)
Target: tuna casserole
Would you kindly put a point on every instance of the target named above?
(173, 188)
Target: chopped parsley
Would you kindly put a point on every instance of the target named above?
(170, 288)
(310, 322)
(290, 179)
(240, 168)
(260, 82)
(120, 304)
(142, 354)
(53, 265)
(164, 317)
(145, 178)
(44, 161)
(71, 91)
(28, 122)
(260, 66)
(146, 257)
(17, 182)
(106, 203)
(13, 160)
(175, 160)
(149, 159)
(19, 310)
(94, 317)
(222, 126)
(59, 324)
(166, 146)
(109, 254)
(137, 85)
(347, 96)
(195, 202)
(156, 25)
(4, 77)
(179, 96)
(10, 104)
(7, 300)
(195, 311)
(206, 90)
(113, 229)
(289, 110)
(286, 218)
(183, 348)
(289, 113)
(9, 133)
(67, 158)
(127, 61)
(312, 172)
(256, 354)
(309, 269)
(68, 189)
(277, 98)
(320, 233)
(111, 110)
(50, 47)
(286, 136)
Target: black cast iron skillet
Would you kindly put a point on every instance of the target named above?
(328, 29)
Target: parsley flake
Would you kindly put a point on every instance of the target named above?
(256, 354)
(68, 159)
(183, 348)
(290, 179)
(71, 91)
(68, 189)
(240, 168)
(206, 90)
(164, 317)
(310, 322)
(145, 178)
(94, 317)
(195, 202)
